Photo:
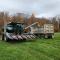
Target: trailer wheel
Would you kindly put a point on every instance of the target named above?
(45, 36)
(7, 39)
(52, 36)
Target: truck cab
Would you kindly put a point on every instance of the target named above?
(12, 30)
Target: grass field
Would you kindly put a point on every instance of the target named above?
(40, 49)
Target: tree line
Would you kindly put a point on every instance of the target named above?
(6, 18)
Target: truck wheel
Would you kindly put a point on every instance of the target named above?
(49, 36)
(7, 39)
(46, 36)
(52, 36)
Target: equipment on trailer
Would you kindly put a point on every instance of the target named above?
(15, 31)
(45, 31)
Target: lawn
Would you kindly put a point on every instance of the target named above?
(40, 49)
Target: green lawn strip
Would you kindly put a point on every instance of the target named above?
(39, 55)
(15, 52)
(24, 47)
(48, 50)
(34, 45)
(23, 52)
(36, 55)
(12, 53)
(40, 49)
(55, 43)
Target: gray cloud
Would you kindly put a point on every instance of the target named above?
(40, 7)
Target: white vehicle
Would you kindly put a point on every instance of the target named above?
(46, 31)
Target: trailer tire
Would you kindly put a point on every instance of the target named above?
(50, 36)
(7, 39)
(45, 36)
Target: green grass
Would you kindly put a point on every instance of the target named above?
(40, 49)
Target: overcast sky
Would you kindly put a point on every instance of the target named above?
(46, 8)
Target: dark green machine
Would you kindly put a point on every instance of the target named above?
(12, 31)
(15, 31)
(15, 28)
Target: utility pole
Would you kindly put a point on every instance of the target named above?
(3, 30)
(58, 22)
(4, 27)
